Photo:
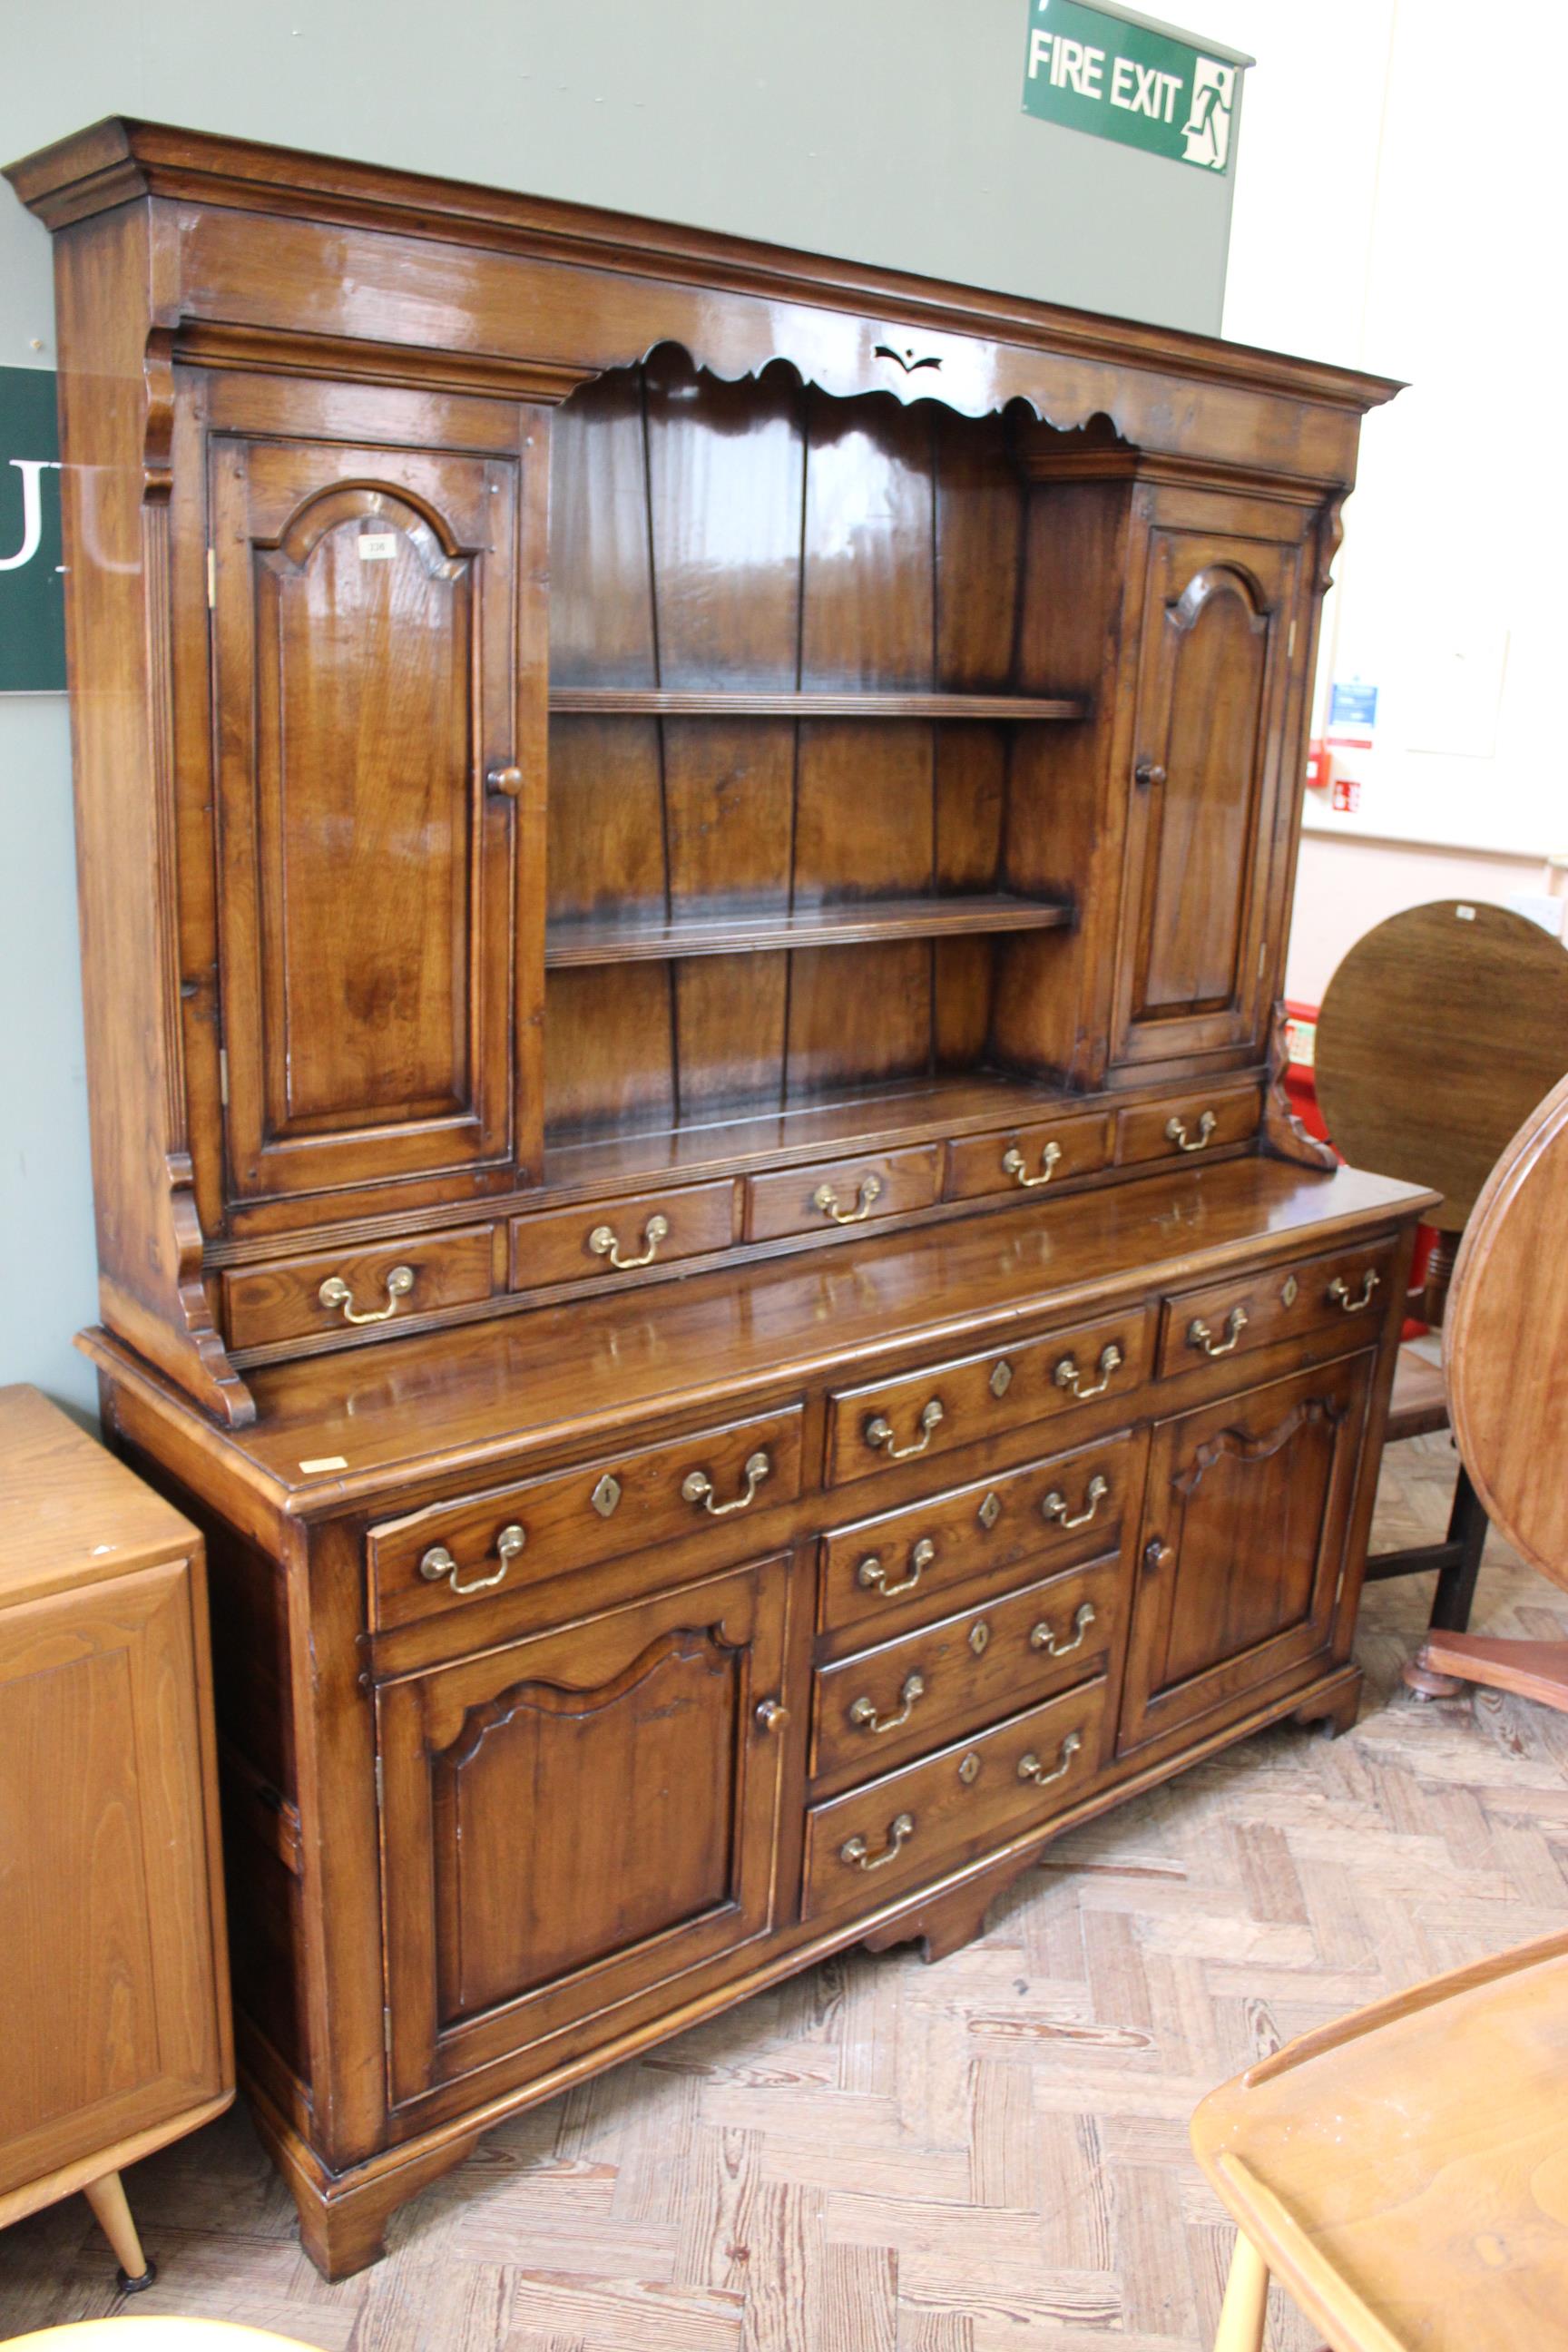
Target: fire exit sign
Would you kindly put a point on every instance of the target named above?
(32, 581)
(1126, 78)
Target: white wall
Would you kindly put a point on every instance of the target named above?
(891, 134)
(1399, 206)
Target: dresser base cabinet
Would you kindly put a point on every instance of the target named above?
(686, 854)
(542, 1746)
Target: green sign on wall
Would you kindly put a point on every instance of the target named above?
(32, 580)
(1128, 79)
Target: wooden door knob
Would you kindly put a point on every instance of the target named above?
(1157, 1554)
(1148, 772)
(505, 780)
(770, 1715)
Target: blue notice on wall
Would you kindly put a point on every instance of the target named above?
(1351, 704)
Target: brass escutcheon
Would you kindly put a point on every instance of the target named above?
(1001, 1379)
(990, 1511)
(606, 1495)
(980, 1638)
(969, 1770)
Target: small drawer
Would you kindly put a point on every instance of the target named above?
(1188, 1127)
(898, 1571)
(950, 1404)
(441, 1559)
(840, 1192)
(608, 1236)
(333, 1290)
(900, 1700)
(1345, 1289)
(1026, 1159)
(864, 1847)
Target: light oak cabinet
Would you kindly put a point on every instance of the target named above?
(685, 851)
(112, 1929)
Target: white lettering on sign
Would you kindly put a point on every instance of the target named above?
(30, 468)
(377, 546)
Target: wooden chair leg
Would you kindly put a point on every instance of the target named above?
(1245, 2311)
(1456, 1592)
(106, 2198)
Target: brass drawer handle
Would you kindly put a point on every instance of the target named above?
(864, 1711)
(1339, 1292)
(873, 1576)
(1042, 1638)
(858, 1854)
(605, 1242)
(825, 1199)
(1176, 1133)
(1031, 1769)
(1200, 1336)
(438, 1563)
(1055, 1506)
(1015, 1165)
(697, 1488)
(1068, 1376)
(879, 1432)
(335, 1292)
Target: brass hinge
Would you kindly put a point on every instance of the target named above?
(1262, 956)
(212, 579)
(1290, 642)
(387, 2036)
(380, 1784)
(223, 1076)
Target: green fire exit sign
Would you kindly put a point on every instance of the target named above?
(1129, 79)
(32, 581)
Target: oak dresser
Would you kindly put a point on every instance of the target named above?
(686, 854)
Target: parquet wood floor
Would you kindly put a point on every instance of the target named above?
(988, 2156)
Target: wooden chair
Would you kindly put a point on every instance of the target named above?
(1403, 2173)
(1439, 1033)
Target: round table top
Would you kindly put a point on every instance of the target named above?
(1505, 1341)
(1439, 1034)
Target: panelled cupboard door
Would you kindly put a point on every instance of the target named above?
(366, 651)
(1208, 767)
(577, 1817)
(1246, 1508)
(111, 1987)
